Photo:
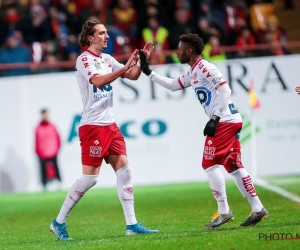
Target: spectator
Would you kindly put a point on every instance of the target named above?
(101, 10)
(125, 19)
(272, 29)
(36, 27)
(152, 9)
(182, 25)
(205, 30)
(9, 23)
(47, 146)
(273, 35)
(215, 16)
(246, 38)
(159, 35)
(212, 50)
(51, 59)
(71, 46)
(58, 25)
(15, 52)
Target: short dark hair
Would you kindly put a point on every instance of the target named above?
(194, 41)
(44, 110)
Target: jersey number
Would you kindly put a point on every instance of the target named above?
(232, 108)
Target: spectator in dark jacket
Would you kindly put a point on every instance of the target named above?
(15, 52)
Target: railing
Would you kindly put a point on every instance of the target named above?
(293, 46)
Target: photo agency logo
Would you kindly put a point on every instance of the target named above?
(278, 236)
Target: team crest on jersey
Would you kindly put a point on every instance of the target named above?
(107, 61)
(97, 64)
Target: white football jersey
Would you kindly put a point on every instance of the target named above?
(205, 78)
(97, 102)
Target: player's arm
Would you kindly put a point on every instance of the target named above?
(135, 71)
(224, 96)
(102, 80)
(166, 82)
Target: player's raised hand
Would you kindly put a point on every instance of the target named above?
(144, 63)
(148, 48)
(132, 59)
(298, 90)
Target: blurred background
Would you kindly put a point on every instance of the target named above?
(253, 42)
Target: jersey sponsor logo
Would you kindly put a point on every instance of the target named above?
(209, 152)
(97, 64)
(103, 92)
(128, 190)
(95, 151)
(204, 95)
(204, 70)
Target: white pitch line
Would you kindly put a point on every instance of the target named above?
(277, 190)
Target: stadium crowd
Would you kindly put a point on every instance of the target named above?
(47, 30)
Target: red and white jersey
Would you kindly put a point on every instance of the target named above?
(205, 78)
(97, 102)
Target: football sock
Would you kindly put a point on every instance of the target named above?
(125, 193)
(245, 185)
(217, 184)
(84, 183)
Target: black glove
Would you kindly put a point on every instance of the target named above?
(211, 126)
(144, 63)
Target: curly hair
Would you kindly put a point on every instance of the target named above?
(88, 29)
(194, 41)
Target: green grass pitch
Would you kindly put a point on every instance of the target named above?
(179, 211)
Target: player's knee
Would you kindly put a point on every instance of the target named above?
(124, 173)
(206, 169)
(233, 169)
(91, 180)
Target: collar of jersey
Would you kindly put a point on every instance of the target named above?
(93, 54)
(197, 62)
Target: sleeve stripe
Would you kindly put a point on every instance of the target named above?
(92, 77)
(220, 84)
(180, 83)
